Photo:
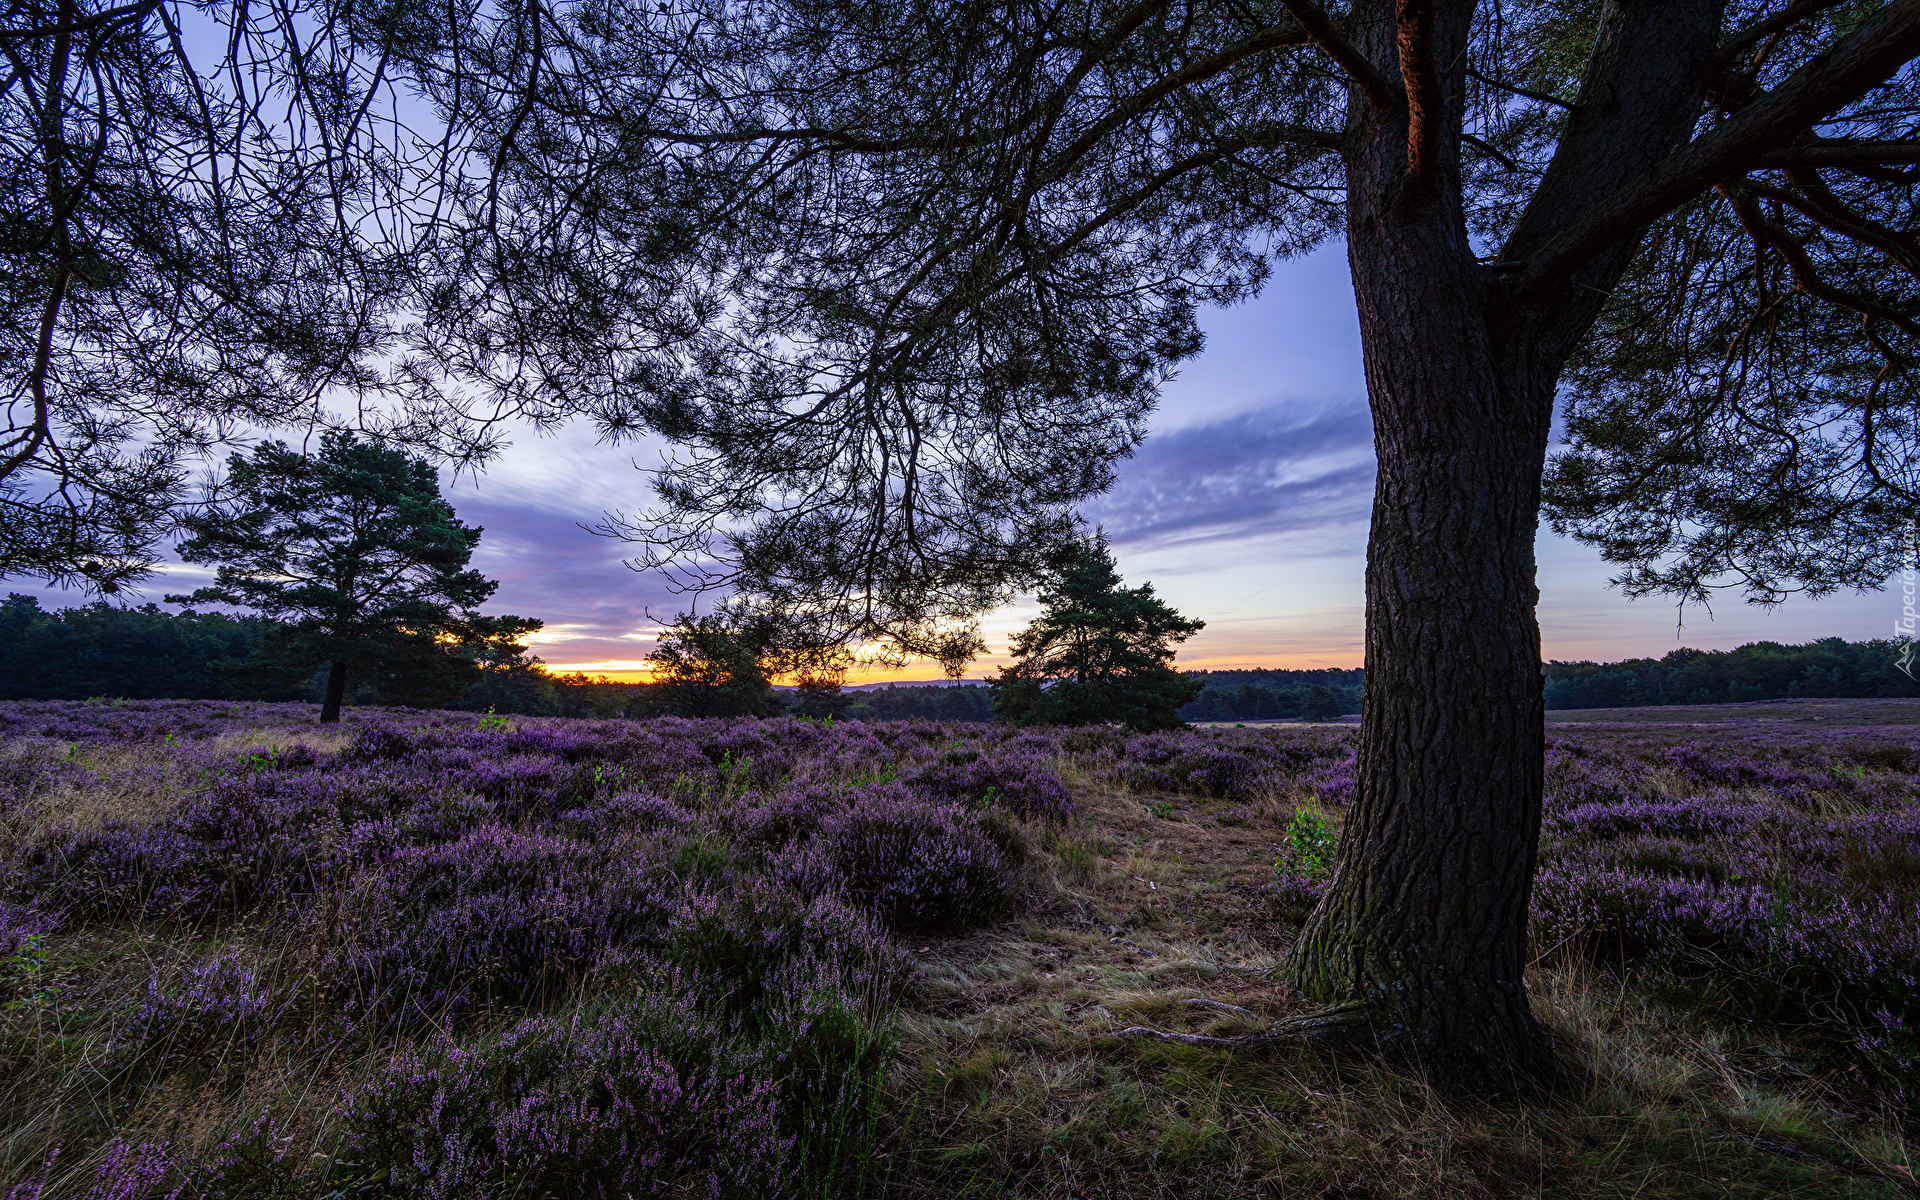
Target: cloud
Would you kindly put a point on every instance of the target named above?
(1277, 469)
(578, 582)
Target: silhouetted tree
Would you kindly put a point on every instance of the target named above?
(1098, 653)
(904, 278)
(358, 557)
(710, 666)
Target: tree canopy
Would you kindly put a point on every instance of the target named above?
(357, 556)
(904, 279)
(210, 212)
(1098, 653)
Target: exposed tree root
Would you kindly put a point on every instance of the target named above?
(1358, 1028)
(1220, 1006)
(1342, 1026)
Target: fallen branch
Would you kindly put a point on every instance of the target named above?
(1221, 1006)
(1340, 1026)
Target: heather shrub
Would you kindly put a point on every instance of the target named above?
(20, 922)
(1889, 1045)
(1331, 782)
(28, 773)
(214, 1007)
(646, 1095)
(1716, 814)
(1092, 739)
(136, 1171)
(379, 741)
(1234, 764)
(1023, 783)
(918, 865)
(743, 946)
(1737, 897)
(633, 810)
(791, 814)
(120, 870)
(495, 915)
(1295, 896)
(1216, 771)
(1634, 913)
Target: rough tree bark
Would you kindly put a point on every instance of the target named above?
(336, 692)
(1426, 920)
(1420, 946)
(1422, 939)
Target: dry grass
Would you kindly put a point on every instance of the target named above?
(134, 783)
(1014, 1081)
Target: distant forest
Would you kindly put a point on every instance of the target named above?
(1262, 695)
(1831, 667)
(101, 649)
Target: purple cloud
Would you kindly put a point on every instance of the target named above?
(1275, 469)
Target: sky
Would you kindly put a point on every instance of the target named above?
(1246, 507)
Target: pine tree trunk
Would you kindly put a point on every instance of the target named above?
(336, 693)
(1426, 921)
(1423, 934)
(1420, 946)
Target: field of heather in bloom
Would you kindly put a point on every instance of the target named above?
(429, 954)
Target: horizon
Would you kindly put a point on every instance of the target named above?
(1246, 506)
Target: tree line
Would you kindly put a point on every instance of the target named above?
(145, 652)
(1832, 667)
(1272, 694)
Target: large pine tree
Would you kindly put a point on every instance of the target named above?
(357, 556)
(904, 278)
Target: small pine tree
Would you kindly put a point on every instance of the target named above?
(710, 666)
(1098, 653)
(356, 554)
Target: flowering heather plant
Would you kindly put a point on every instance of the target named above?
(790, 815)
(497, 914)
(21, 922)
(23, 955)
(1234, 764)
(741, 946)
(27, 773)
(657, 955)
(223, 852)
(918, 865)
(136, 1171)
(1021, 780)
(1330, 781)
(647, 1095)
(1779, 882)
(216, 1005)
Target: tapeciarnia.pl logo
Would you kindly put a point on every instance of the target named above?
(1903, 628)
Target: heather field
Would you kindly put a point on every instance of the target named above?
(428, 954)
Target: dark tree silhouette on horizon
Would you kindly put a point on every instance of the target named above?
(356, 555)
(902, 280)
(710, 665)
(1098, 653)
